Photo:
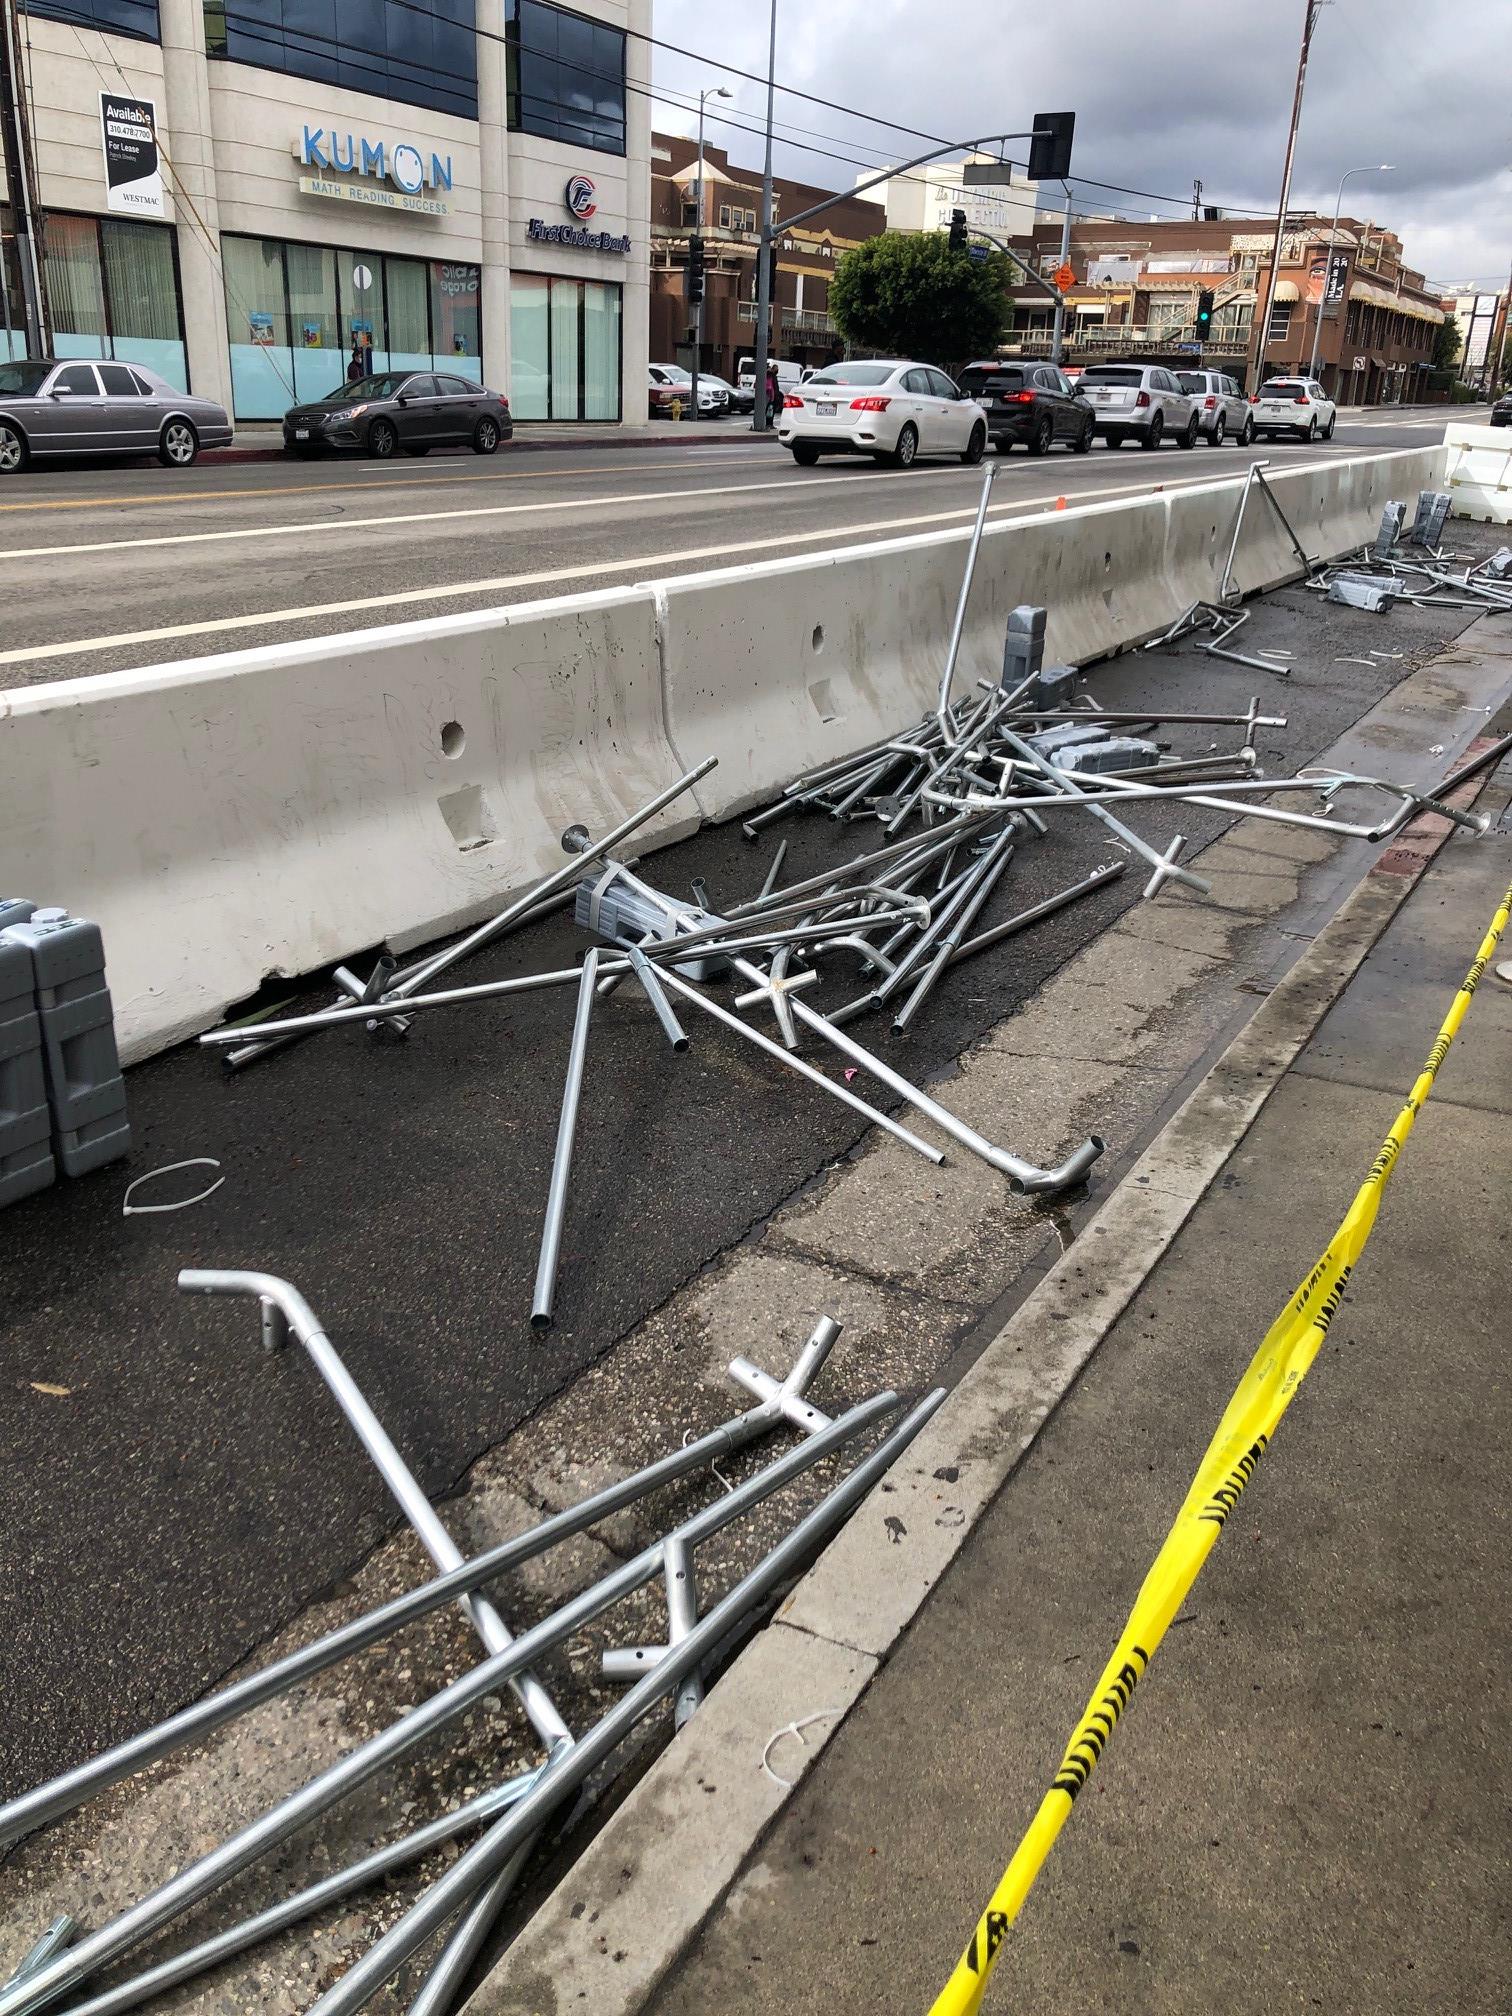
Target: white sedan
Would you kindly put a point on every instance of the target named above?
(894, 411)
(1293, 406)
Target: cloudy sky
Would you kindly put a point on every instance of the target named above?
(1163, 90)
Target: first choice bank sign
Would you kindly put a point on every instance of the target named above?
(387, 174)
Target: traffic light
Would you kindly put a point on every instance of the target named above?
(695, 270)
(1204, 314)
(958, 230)
(1050, 147)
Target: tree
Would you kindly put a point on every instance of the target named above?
(1446, 345)
(912, 294)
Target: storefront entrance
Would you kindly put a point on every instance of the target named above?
(564, 348)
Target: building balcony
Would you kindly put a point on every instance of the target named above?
(1094, 339)
(802, 321)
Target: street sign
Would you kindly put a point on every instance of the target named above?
(998, 172)
(978, 252)
(1190, 349)
(362, 278)
(1064, 278)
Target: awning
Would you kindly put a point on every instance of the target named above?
(1396, 304)
(710, 173)
(1287, 290)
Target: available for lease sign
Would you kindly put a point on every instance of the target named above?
(133, 173)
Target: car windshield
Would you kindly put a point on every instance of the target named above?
(385, 385)
(21, 380)
(1112, 374)
(1282, 388)
(854, 374)
(1191, 381)
(676, 373)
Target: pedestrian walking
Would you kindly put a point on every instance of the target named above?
(773, 395)
(356, 369)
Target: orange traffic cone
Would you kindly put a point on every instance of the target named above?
(1060, 503)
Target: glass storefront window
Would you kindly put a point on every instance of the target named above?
(564, 348)
(113, 289)
(294, 311)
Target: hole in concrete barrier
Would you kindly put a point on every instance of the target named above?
(469, 816)
(817, 640)
(453, 738)
(1107, 563)
(824, 701)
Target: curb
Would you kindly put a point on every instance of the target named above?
(518, 445)
(616, 1924)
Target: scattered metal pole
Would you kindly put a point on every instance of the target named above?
(561, 1167)
(942, 710)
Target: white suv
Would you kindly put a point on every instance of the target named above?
(1138, 402)
(1294, 406)
(1222, 409)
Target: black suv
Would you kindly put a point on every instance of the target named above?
(1033, 403)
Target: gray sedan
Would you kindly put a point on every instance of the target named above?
(52, 407)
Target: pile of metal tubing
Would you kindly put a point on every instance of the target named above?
(465, 1900)
(1407, 563)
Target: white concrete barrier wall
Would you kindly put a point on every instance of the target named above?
(1477, 471)
(268, 812)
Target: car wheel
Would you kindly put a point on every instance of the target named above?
(1044, 433)
(1153, 433)
(485, 436)
(178, 445)
(1113, 438)
(976, 447)
(382, 440)
(1312, 429)
(1215, 439)
(805, 454)
(13, 450)
(1083, 442)
(1188, 437)
(1246, 432)
(1328, 431)
(906, 447)
(418, 450)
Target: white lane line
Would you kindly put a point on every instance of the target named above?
(788, 485)
(436, 472)
(835, 535)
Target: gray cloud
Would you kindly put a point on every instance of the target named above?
(1163, 90)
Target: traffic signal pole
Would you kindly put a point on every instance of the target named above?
(1058, 346)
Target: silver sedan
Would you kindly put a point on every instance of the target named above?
(52, 406)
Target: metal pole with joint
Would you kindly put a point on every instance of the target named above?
(1333, 232)
(761, 419)
(1057, 347)
(1259, 334)
(714, 91)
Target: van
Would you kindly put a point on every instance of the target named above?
(789, 375)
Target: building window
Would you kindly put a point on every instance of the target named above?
(690, 213)
(724, 217)
(418, 55)
(1280, 322)
(564, 341)
(113, 288)
(299, 314)
(566, 76)
(138, 18)
(750, 220)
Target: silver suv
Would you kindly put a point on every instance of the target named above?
(1138, 402)
(1222, 409)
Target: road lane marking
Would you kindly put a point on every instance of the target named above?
(155, 497)
(274, 618)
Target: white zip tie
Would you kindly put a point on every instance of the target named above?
(130, 1210)
(690, 1436)
(792, 1729)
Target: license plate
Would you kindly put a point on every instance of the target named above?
(301, 433)
(825, 408)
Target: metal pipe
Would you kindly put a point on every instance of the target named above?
(1024, 1178)
(443, 1983)
(942, 706)
(52, 1941)
(402, 1483)
(945, 951)
(1010, 925)
(656, 994)
(60, 1795)
(446, 997)
(774, 871)
(804, 1070)
(561, 1165)
(682, 1622)
(199, 1878)
(364, 1979)
(181, 1967)
(962, 822)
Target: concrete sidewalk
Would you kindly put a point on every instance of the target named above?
(1304, 1806)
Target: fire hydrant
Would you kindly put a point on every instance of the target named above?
(676, 407)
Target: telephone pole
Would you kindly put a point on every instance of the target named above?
(20, 183)
(1261, 330)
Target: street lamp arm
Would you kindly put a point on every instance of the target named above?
(902, 168)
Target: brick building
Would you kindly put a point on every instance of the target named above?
(1137, 286)
(801, 325)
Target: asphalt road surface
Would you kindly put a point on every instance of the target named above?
(111, 567)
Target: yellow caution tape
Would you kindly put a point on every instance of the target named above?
(1260, 1399)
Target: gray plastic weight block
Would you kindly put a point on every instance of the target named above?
(85, 1090)
(1390, 530)
(1054, 686)
(26, 1157)
(1023, 644)
(1118, 752)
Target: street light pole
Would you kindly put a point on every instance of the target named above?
(1057, 344)
(1260, 334)
(1384, 168)
(760, 418)
(714, 91)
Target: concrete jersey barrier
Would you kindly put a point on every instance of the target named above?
(1478, 471)
(264, 813)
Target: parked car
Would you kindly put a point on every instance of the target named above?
(412, 410)
(1501, 412)
(49, 406)
(1293, 406)
(1033, 404)
(1138, 402)
(893, 411)
(1222, 409)
(736, 400)
(789, 375)
(671, 381)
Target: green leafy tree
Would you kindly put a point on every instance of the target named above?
(913, 294)
(1446, 345)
